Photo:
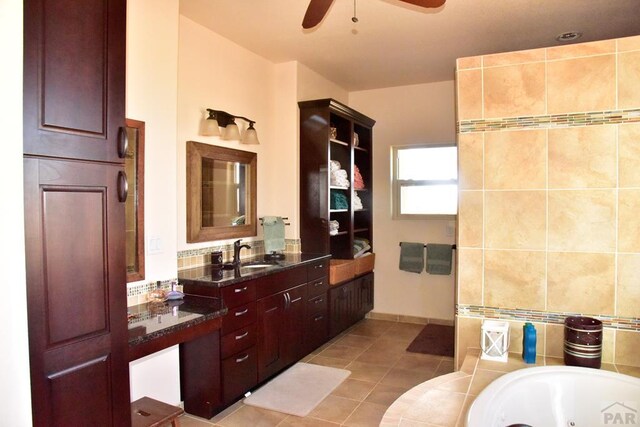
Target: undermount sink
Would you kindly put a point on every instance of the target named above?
(257, 265)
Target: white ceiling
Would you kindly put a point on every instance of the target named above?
(395, 43)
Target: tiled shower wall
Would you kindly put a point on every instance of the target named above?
(549, 214)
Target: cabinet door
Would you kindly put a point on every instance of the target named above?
(366, 294)
(293, 325)
(340, 303)
(74, 78)
(269, 336)
(76, 292)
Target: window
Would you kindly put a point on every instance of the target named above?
(425, 181)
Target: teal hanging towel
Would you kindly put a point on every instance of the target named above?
(411, 257)
(439, 258)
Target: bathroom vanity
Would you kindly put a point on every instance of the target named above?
(277, 313)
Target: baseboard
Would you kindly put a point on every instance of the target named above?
(408, 319)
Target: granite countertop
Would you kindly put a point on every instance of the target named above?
(154, 320)
(209, 275)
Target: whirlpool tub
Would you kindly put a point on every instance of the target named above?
(558, 396)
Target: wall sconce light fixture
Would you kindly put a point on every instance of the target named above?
(218, 119)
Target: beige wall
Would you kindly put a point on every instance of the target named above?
(214, 72)
(548, 216)
(152, 67)
(312, 85)
(407, 115)
(15, 389)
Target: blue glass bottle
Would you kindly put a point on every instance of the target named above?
(529, 343)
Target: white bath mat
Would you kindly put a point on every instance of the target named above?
(299, 389)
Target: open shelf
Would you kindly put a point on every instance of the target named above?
(319, 145)
(337, 141)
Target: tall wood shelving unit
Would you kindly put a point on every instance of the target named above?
(317, 149)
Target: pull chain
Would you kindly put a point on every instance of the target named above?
(354, 18)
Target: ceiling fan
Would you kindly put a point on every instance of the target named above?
(318, 8)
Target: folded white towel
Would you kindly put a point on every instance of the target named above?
(357, 203)
(334, 165)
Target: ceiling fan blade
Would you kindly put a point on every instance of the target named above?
(425, 3)
(315, 12)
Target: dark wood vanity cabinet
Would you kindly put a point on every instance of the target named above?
(349, 302)
(73, 128)
(238, 342)
(280, 330)
(200, 374)
(317, 315)
(272, 322)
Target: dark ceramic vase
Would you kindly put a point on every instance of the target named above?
(582, 342)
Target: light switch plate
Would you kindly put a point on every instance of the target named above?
(154, 245)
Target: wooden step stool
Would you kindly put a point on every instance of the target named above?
(148, 412)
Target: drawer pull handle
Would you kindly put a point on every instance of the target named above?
(238, 290)
(242, 313)
(242, 359)
(319, 266)
(315, 285)
(317, 318)
(239, 337)
(318, 301)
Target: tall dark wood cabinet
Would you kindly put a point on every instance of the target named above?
(318, 146)
(331, 131)
(75, 187)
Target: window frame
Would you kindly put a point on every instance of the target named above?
(397, 184)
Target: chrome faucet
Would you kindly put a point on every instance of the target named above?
(236, 251)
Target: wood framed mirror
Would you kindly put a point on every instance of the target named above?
(134, 206)
(221, 193)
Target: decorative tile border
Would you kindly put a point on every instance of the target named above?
(550, 121)
(196, 257)
(145, 288)
(523, 315)
(255, 245)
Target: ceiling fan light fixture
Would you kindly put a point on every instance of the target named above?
(568, 36)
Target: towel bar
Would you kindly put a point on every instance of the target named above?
(452, 246)
(284, 217)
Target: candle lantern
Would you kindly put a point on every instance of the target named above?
(495, 341)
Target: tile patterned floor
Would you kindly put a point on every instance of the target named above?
(381, 371)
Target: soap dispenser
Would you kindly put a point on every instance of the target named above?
(529, 343)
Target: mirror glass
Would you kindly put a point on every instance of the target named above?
(221, 193)
(224, 189)
(134, 206)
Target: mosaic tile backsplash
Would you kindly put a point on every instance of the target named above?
(138, 293)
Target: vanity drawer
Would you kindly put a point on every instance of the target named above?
(238, 294)
(318, 269)
(239, 374)
(238, 340)
(316, 332)
(318, 286)
(239, 317)
(317, 305)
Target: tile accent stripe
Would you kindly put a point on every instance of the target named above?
(524, 315)
(145, 288)
(255, 244)
(550, 121)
